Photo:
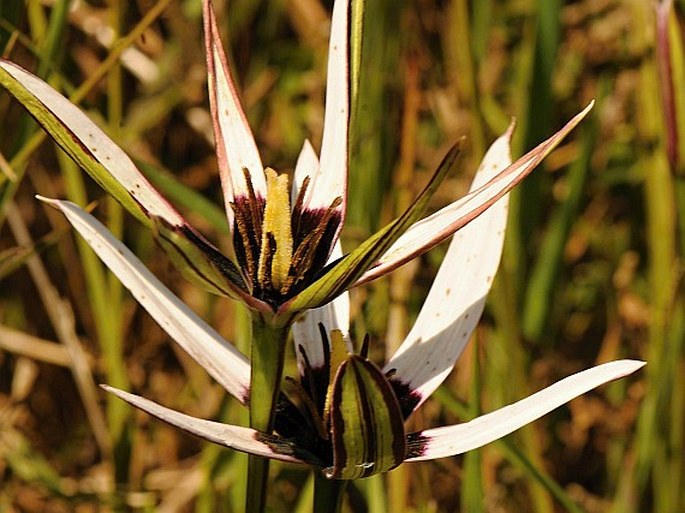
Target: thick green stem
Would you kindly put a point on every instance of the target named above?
(328, 493)
(267, 355)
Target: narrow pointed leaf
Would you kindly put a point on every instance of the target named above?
(460, 438)
(366, 422)
(334, 316)
(348, 270)
(222, 361)
(234, 437)
(88, 145)
(235, 145)
(434, 229)
(457, 297)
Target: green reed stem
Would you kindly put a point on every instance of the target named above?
(472, 497)
(53, 46)
(653, 426)
(328, 493)
(117, 412)
(539, 295)
(374, 491)
(374, 48)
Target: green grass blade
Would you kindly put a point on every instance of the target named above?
(188, 199)
(472, 494)
(374, 51)
(539, 294)
(52, 46)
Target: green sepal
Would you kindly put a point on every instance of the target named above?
(201, 264)
(70, 143)
(351, 267)
(184, 196)
(366, 422)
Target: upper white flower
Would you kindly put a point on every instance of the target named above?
(280, 241)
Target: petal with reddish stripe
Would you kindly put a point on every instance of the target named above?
(434, 229)
(97, 154)
(235, 145)
(88, 145)
(330, 182)
(234, 437)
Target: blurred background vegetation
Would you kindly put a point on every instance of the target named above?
(592, 267)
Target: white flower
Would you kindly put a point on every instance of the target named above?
(372, 439)
(279, 242)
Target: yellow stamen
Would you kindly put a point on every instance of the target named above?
(277, 223)
(338, 355)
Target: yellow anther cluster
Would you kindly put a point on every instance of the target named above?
(276, 230)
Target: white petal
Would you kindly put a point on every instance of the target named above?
(457, 297)
(333, 315)
(331, 182)
(99, 146)
(457, 439)
(307, 166)
(221, 359)
(433, 229)
(235, 437)
(235, 145)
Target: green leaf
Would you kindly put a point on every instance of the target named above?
(366, 422)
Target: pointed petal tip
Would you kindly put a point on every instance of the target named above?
(581, 115)
(234, 437)
(629, 366)
(5, 64)
(121, 394)
(235, 144)
(459, 438)
(49, 201)
(307, 144)
(509, 132)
